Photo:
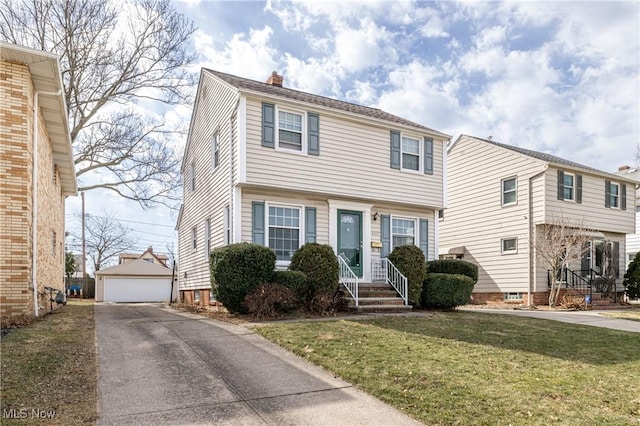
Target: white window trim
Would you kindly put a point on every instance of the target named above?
(502, 193)
(301, 235)
(617, 206)
(513, 296)
(192, 176)
(194, 238)
(304, 148)
(416, 230)
(573, 175)
(420, 154)
(503, 251)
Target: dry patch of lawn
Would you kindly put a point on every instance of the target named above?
(49, 369)
(476, 368)
(628, 315)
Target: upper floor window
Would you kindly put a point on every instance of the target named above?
(192, 173)
(403, 232)
(194, 240)
(284, 231)
(215, 151)
(615, 195)
(207, 238)
(509, 191)
(290, 130)
(569, 187)
(411, 153)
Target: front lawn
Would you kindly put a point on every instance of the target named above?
(49, 369)
(629, 315)
(477, 368)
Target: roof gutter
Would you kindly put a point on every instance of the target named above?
(34, 202)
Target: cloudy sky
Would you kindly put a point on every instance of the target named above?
(557, 77)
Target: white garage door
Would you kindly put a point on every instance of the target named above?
(136, 289)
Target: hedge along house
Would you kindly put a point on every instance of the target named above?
(280, 167)
(500, 195)
(36, 175)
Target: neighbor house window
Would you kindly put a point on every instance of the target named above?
(284, 231)
(509, 193)
(196, 296)
(215, 154)
(403, 232)
(194, 241)
(207, 238)
(212, 297)
(509, 245)
(290, 130)
(568, 187)
(410, 153)
(614, 195)
(513, 296)
(227, 225)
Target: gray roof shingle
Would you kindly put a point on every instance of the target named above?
(268, 89)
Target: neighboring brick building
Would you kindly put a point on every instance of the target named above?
(30, 82)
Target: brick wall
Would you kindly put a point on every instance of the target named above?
(16, 118)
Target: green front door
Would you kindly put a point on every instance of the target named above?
(350, 238)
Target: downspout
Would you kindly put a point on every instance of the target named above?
(34, 197)
(531, 272)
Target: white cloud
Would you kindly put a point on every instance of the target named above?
(364, 47)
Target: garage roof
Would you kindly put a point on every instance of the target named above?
(138, 267)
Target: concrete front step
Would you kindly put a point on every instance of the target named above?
(382, 308)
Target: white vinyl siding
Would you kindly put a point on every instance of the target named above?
(353, 160)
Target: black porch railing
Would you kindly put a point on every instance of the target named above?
(585, 282)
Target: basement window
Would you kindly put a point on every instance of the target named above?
(512, 296)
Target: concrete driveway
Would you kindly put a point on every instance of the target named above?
(157, 366)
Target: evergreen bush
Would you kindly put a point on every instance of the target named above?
(446, 291)
(409, 260)
(632, 279)
(453, 266)
(319, 263)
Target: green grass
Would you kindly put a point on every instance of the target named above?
(50, 366)
(630, 315)
(476, 368)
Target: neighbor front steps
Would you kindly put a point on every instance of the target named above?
(377, 297)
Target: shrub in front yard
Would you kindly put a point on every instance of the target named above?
(238, 270)
(320, 265)
(270, 300)
(446, 291)
(632, 279)
(453, 266)
(409, 260)
(214, 258)
(295, 280)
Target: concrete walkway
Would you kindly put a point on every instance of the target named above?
(592, 318)
(157, 366)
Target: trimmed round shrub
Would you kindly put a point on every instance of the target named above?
(238, 270)
(409, 260)
(453, 266)
(632, 279)
(446, 291)
(214, 258)
(320, 265)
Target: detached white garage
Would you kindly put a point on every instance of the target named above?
(135, 281)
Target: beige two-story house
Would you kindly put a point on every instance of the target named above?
(499, 194)
(36, 175)
(280, 167)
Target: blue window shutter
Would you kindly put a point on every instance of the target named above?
(607, 193)
(560, 185)
(310, 224)
(268, 125)
(395, 149)
(623, 196)
(428, 156)
(424, 238)
(313, 130)
(385, 235)
(579, 189)
(257, 222)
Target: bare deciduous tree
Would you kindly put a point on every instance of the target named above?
(106, 238)
(557, 243)
(119, 60)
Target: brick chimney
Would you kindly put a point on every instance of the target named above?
(623, 168)
(275, 79)
(150, 249)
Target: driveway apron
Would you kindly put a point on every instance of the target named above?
(157, 366)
